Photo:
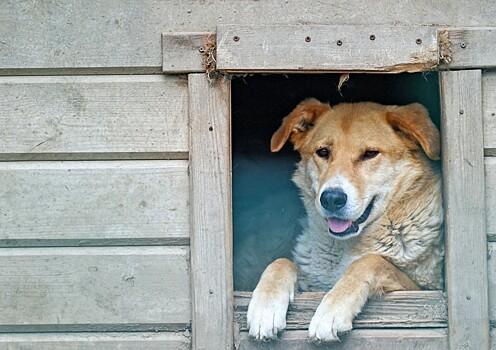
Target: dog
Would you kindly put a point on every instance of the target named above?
(371, 188)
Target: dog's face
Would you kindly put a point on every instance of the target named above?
(355, 155)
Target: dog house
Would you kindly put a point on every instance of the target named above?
(115, 164)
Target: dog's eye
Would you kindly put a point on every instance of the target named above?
(323, 152)
(369, 154)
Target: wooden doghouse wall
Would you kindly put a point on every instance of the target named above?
(98, 197)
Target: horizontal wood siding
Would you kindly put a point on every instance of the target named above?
(94, 114)
(326, 47)
(393, 310)
(57, 288)
(85, 202)
(98, 341)
(124, 36)
(372, 339)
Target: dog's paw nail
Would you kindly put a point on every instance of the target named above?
(328, 322)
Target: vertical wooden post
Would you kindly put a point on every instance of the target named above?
(464, 203)
(210, 202)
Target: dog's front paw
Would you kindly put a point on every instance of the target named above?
(330, 319)
(266, 315)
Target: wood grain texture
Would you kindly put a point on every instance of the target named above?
(98, 114)
(183, 52)
(321, 48)
(489, 108)
(92, 201)
(124, 36)
(490, 170)
(84, 286)
(393, 310)
(464, 203)
(472, 47)
(211, 227)
(91, 341)
(371, 339)
(491, 270)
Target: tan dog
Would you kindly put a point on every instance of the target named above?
(374, 213)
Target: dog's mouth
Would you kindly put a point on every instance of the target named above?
(344, 228)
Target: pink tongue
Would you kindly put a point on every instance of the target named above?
(337, 225)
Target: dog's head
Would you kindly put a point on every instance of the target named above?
(356, 154)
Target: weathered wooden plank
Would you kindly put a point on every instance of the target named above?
(93, 201)
(93, 114)
(211, 231)
(393, 310)
(326, 47)
(472, 47)
(184, 52)
(489, 108)
(110, 36)
(491, 270)
(464, 203)
(91, 341)
(84, 286)
(373, 339)
(490, 167)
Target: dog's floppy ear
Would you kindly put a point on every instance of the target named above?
(413, 120)
(297, 123)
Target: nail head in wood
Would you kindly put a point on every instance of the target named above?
(372, 37)
(418, 41)
(236, 38)
(463, 45)
(308, 39)
(339, 43)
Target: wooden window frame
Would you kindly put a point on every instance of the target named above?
(216, 312)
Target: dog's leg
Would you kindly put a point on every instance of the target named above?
(369, 275)
(268, 306)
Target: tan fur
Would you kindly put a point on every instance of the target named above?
(398, 247)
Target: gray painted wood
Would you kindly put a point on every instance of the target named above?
(124, 36)
(491, 270)
(393, 310)
(489, 108)
(84, 286)
(490, 170)
(472, 47)
(93, 201)
(93, 114)
(322, 48)
(211, 231)
(183, 52)
(373, 339)
(464, 202)
(91, 341)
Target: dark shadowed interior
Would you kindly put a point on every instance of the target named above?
(266, 206)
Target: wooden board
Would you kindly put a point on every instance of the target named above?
(326, 48)
(211, 227)
(372, 339)
(124, 36)
(94, 202)
(472, 47)
(489, 108)
(91, 341)
(491, 270)
(54, 287)
(393, 310)
(97, 114)
(184, 52)
(490, 166)
(464, 203)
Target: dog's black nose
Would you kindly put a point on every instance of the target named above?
(333, 199)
